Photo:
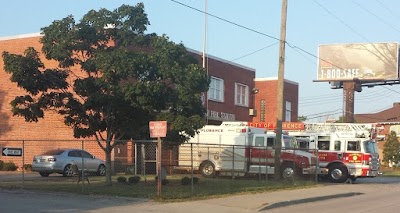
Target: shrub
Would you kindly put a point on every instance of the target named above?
(163, 181)
(1, 165)
(121, 179)
(28, 167)
(134, 179)
(9, 166)
(185, 181)
(188, 180)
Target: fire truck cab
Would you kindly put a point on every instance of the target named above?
(345, 151)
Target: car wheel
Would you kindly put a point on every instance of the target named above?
(338, 173)
(44, 174)
(207, 169)
(101, 171)
(68, 172)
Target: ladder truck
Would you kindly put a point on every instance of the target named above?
(346, 151)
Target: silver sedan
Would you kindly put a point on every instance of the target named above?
(62, 160)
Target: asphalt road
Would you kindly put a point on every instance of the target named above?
(365, 195)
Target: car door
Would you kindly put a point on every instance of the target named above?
(74, 157)
(89, 162)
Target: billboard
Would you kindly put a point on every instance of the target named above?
(364, 61)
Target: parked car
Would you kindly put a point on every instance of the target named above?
(61, 161)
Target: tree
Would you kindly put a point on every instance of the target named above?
(391, 150)
(302, 118)
(122, 79)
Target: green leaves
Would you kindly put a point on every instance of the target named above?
(391, 150)
(111, 78)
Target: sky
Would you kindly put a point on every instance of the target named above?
(247, 32)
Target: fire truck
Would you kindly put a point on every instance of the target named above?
(346, 151)
(237, 149)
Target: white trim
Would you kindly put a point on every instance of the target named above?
(20, 36)
(275, 79)
(222, 60)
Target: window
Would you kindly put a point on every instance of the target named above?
(353, 146)
(337, 145)
(288, 111)
(241, 95)
(270, 142)
(259, 141)
(395, 128)
(216, 91)
(323, 145)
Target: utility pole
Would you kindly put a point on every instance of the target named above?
(279, 109)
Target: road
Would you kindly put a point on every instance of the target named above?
(366, 195)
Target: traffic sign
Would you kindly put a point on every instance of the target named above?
(158, 129)
(12, 152)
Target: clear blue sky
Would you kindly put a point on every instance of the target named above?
(309, 24)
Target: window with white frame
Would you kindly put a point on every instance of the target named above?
(216, 90)
(241, 94)
(395, 128)
(288, 111)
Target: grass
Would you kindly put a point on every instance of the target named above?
(391, 172)
(147, 187)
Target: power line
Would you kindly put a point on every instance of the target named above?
(373, 14)
(255, 51)
(225, 20)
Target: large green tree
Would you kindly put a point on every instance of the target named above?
(126, 78)
(391, 149)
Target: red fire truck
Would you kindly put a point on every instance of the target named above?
(346, 151)
(236, 148)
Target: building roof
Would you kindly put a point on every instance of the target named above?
(391, 115)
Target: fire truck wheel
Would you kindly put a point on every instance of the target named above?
(338, 173)
(288, 171)
(207, 169)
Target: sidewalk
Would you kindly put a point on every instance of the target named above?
(248, 203)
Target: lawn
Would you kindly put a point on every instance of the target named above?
(172, 191)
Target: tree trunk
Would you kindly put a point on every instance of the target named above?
(108, 164)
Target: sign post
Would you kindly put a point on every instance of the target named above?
(158, 129)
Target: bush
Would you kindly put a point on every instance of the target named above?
(1, 165)
(188, 180)
(9, 166)
(28, 167)
(134, 179)
(121, 179)
(163, 181)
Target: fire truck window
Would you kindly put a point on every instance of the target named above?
(353, 146)
(259, 141)
(323, 145)
(337, 145)
(270, 142)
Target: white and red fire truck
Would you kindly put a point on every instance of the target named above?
(346, 151)
(235, 148)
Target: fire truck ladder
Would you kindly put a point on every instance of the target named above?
(337, 127)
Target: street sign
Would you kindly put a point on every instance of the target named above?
(158, 129)
(12, 152)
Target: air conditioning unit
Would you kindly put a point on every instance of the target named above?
(252, 112)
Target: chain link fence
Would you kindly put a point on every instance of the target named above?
(210, 163)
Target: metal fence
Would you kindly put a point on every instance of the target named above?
(139, 158)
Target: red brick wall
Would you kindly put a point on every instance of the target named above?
(48, 133)
(268, 90)
(231, 74)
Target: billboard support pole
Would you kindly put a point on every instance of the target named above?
(348, 98)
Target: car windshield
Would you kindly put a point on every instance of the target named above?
(54, 152)
(290, 142)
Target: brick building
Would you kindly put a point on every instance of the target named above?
(234, 95)
(266, 99)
